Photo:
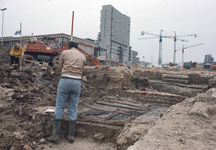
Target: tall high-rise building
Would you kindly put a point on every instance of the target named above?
(208, 58)
(114, 34)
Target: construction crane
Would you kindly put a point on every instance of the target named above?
(183, 48)
(174, 54)
(160, 42)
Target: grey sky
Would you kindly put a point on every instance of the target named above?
(183, 16)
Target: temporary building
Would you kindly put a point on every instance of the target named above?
(207, 66)
(180, 65)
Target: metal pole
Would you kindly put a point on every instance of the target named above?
(72, 25)
(20, 44)
(174, 55)
(143, 61)
(2, 23)
(2, 26)
(20, 33)
(160, 49)
(182, 53)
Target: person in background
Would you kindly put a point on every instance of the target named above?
(16, 53)
(71, 64)
(131, 72)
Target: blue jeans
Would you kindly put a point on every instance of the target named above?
(68, 90)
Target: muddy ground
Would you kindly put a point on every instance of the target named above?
(25, 90)
(116, 110)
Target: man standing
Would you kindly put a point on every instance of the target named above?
(71, 64)
(16, 53)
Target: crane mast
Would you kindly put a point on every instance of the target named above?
(174, 54)
(183, 48)
(160, 43)
(160, 49)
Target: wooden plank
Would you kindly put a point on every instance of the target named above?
(128, 103)
(103, 108)
(122, 106)
(107, 122)
(197, 86)
(113, 115)
(175, 76)
(175, 80)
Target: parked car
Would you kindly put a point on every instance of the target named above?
(165, 65)
(175, 67)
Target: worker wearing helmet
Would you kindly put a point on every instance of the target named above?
(16, 53)
(71, 64)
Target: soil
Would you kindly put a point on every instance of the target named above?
(79, 144)
(187, 125)
(5, 54)
(151, 109)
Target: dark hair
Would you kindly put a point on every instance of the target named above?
(72, 45)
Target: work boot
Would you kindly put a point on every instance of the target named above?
(71, 132)
(56, 131)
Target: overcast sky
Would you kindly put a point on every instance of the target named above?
(183, 16)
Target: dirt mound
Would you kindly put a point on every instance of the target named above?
(24, 89)
(187, 125)
(116, 98)
(5, 54)
(135, 65)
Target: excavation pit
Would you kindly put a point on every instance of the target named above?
(104, 119)
(114, 106)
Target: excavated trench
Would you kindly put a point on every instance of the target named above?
(113, 103)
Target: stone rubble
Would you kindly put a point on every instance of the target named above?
(153, 108)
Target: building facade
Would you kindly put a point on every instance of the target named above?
(85, 44)
(114, 35)
(133, 56)
(208, 58)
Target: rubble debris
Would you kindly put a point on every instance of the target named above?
(134, 65)
(183, 79)
(189, 125)
(42, 141)
(98, 137)
(212, 82)
(130, 134)
(27, 147)
(5, 54)
(25, 89)
(114, 106)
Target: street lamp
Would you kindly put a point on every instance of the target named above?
(143, 60)
(2, 23)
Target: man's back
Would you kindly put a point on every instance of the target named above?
(71, 64)
(72, 61)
